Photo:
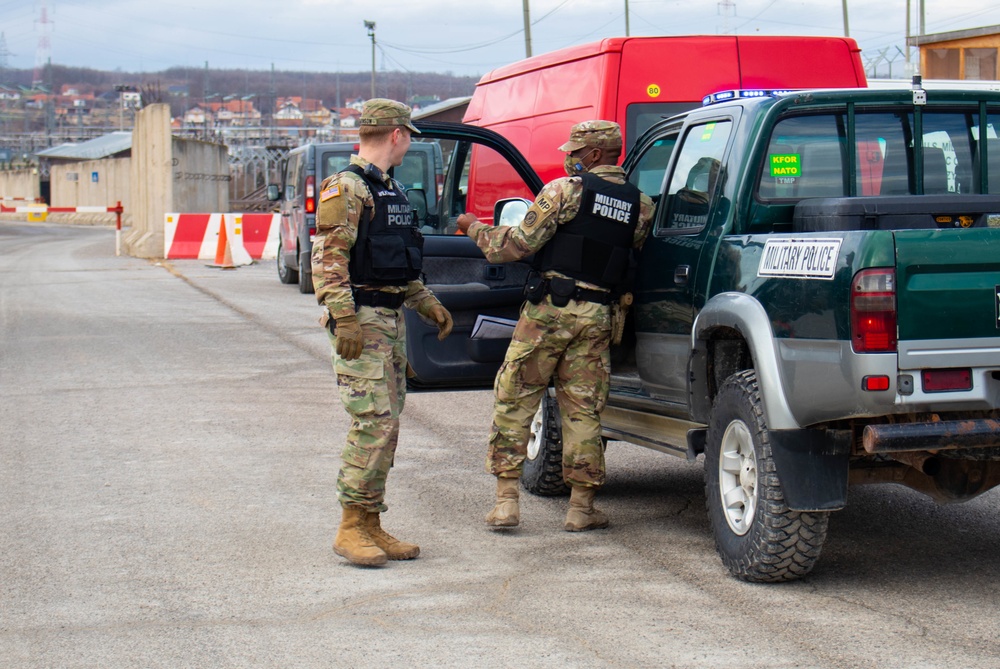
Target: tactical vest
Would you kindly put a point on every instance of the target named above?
(595, 245)
(389, 248)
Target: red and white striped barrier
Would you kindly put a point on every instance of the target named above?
(38, 212)
(196, 236)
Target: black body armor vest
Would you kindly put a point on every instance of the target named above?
(595, 245)
(389, 248)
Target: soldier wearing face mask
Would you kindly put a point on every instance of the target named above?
(581, 229)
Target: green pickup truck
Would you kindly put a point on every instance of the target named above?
(817, 306)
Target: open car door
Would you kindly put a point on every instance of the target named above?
(454, 267)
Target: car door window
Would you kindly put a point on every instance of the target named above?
(695, 179)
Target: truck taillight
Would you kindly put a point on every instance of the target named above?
(873, 311)
(310, 194)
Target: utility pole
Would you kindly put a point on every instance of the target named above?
(847, 28)
(370, 25)
(626, 17)
(527, 30)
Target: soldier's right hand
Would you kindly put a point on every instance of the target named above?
(349, 339)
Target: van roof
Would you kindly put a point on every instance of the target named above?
(616, 44)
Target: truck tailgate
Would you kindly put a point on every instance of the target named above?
(948, 282)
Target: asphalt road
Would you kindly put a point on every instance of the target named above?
(169, 442)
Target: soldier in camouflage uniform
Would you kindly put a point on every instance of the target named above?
(364, 214)
(581, 229)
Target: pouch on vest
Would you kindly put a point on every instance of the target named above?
(561, 289)
(388, 257)
(534, 288)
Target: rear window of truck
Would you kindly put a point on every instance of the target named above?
(807, 155)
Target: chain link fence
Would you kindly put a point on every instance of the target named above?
(251, 169)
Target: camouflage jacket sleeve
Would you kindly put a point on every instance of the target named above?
(342, 199)
(558, 202)
(647, 209)
(420, 298)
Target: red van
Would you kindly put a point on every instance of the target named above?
(634, 81)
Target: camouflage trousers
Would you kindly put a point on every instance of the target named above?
(570, 345)
(372, 390)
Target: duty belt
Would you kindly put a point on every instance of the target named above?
(378, 298)
(561, 290)
(590, 295)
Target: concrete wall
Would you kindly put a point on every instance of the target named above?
(169, 174)
(74, 185)
(201, 176)
(19, 183)
(151, 193)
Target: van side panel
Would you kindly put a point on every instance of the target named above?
(535, 111)
(534, 102)
(680, 69)
(802, 62)
(576, 91)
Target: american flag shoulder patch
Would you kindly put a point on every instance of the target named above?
(332, 191)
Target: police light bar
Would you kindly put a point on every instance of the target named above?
(740, 94)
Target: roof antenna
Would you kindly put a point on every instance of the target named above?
(919, 94)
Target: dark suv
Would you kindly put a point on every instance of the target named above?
(306, 167)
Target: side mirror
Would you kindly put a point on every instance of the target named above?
(510, 211)
(273, 193)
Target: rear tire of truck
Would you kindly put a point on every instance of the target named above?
(285, 273)
(542, 473)
(757, 536)
(305, 274)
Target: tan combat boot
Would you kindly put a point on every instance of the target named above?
(394, 548)
(582, 515)
(506, 512)
(353, 541)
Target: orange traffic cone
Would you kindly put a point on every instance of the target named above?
(223, 254)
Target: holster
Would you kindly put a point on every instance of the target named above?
(619, 311)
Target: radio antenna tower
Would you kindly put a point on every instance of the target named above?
(43, 53)
(727, 8)
(4, 54)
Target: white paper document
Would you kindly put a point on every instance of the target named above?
(492, 327)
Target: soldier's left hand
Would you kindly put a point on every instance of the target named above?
(441, 316)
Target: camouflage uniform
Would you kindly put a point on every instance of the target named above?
(373, 386)
(568, 343)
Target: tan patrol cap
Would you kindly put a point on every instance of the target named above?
(597, 134)
(383, 111)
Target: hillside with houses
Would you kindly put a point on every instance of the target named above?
(255, 107)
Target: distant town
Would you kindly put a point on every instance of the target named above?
(271, 108)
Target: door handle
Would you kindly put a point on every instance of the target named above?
(681, 273)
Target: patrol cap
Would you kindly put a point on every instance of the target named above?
(597, 134)
(386, 112)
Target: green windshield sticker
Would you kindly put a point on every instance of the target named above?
(707, 132)
(785, 165)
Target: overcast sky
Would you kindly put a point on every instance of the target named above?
(466, 37)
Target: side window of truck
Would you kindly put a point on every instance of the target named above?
(992, 142)
(693, 186)
(805, 158)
